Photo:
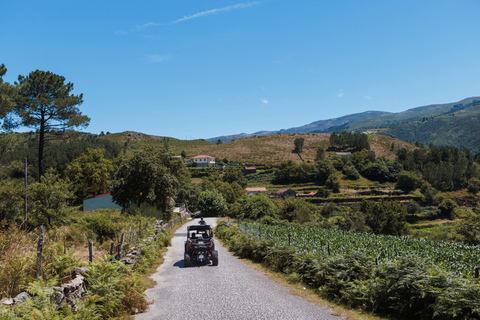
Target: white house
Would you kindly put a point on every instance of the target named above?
(204, 161)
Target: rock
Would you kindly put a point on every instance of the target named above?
(82, 271)
(58, 299)
(21, 298)
(128, 260)
(7, 301)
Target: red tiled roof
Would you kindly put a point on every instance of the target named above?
(281, 191)
(250, 168)
(202, 156)
(101, 195)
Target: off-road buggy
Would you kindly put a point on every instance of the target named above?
(200, 246)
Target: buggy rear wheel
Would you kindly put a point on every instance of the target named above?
(186, 260)
(215, 258)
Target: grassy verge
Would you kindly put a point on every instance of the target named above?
(114, 290)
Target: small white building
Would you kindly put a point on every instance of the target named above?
(204, 161)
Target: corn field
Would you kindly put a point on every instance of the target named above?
(454, 257)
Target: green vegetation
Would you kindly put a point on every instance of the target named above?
(299, 142)
(115, 290)
(454, 257)
(43, 101)
(150, 176)
(378, 197)
(410, 287)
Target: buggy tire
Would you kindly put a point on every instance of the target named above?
(215, 258)
(186, 260)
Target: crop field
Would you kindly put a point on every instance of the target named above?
(454, 257)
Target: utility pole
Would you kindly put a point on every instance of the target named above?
(25, 221)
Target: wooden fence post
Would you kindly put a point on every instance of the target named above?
(39, 251)
(122, 240)
(129, 230)
(112, 249)
(133, 240)
(90, 251)
(289, 239)
(328, 248)
(476, 272)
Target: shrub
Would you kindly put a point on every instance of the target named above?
(447, 209)
(102, 226)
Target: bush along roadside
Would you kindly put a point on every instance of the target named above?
(113, 289)
(408, 288)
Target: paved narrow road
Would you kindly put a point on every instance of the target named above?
(232, 290)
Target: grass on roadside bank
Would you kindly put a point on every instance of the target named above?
(114, 290)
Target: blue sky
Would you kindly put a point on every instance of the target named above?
(205, 68)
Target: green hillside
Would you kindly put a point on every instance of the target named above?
(451, 124)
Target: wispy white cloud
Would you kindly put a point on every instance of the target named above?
(149, 24)
(194, 16)
(217, 10)
(265, 101)
(155, 58)
(340, 95)
(368, 97)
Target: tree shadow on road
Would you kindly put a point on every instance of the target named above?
(180, 264)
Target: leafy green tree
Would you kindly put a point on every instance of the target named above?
(320, 156)
(333, 182)
(328, 209)
(234, 174)
(188, 193)
(350, 171)
(150, 176)
(382, 170)
(385, 217)
(299, 142)
(256, 207)
(7, 102)
(183, 154)
(231, 192)
(407, 180)
(447, 208)
(473, 185)
(212, 203)
(348, 140)
(468, 230)
(44, 102)
(12, 193)
(429, 193)
(295, 209)
(289, 172)
(90, 173)
(48, 199)
(323, 170)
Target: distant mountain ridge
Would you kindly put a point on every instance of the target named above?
(452, 124)
(317, 126)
